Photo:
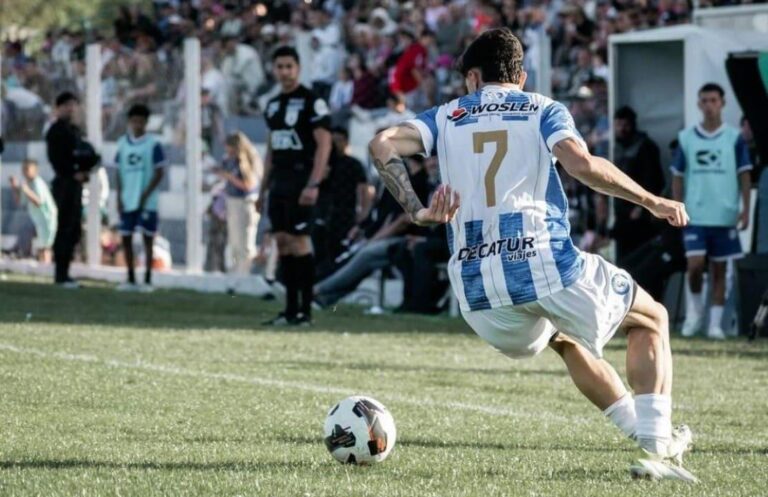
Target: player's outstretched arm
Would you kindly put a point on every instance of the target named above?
(388, 149)
(602, 176)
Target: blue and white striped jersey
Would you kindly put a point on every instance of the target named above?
(510, 240)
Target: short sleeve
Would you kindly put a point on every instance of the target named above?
(743, 160)
(426, 124)
(320, 114)
(678, 163)
(158, 156)
(557, 125)
(358, 172)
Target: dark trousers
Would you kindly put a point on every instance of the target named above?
(421, 288)
(68, 194)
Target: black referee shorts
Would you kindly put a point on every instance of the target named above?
(287, 216)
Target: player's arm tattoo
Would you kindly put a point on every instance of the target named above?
(394, 173)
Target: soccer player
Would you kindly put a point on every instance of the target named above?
(140, 161)
(520, 281)
(297, 157)
(711, 165)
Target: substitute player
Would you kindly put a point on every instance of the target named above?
(140, 162)
(297, 157)
(711, 165)
(520, 281)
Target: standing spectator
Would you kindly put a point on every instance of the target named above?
(638, 156)
(365, 89)
(326, 58)
(243, 71)
(407, 73)
(297, 158)
(140, 161)
(242, 170)
(35, 195)
(345, 200)
(711, 165)
(62, 140)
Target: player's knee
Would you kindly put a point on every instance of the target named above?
(660, 319)
(696, 265)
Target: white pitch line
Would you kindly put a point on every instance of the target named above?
(269, 382)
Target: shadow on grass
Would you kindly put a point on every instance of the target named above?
(23, 301)
(240, 466)
(372, 366)
(460, 444)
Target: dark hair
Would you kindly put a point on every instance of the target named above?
(285, 51)
(341, 130)
(710, 87)
(627, 114)
(65, 98)
(139, 110)
(497, 53)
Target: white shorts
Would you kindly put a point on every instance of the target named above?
(589, 311)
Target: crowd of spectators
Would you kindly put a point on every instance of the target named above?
(378, 61)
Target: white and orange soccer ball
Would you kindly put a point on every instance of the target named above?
(359, 430)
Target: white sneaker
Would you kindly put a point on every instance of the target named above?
(69, 285)
(715, 333)
(146, 288)
(127, 287)
(653, 467)
(682, 441)
(691, 326)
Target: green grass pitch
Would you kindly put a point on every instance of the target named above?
(176, 393)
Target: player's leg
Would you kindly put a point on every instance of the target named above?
(649, 371)
(127, 226)
(717, 278)
(723, 244)
(695, 251)
(279, 212)
(599, 382)
(304, 261)
(149, 228)
(149, 243)
(285, 253)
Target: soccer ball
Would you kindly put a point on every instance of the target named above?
(359, 430)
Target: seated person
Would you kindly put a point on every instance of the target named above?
(417, 261)
(387, 230)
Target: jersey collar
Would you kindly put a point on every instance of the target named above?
(709, 134)
(135, 141)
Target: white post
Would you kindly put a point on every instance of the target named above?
(93, 125)
(193, 152)
(544, 71)
(1, 161)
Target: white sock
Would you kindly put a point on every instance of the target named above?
(654, 422)
(622, 414)
(694, 302)
(715, 316)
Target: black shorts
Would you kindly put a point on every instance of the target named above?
(287, 216)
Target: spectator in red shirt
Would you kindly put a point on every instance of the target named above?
(406, 75)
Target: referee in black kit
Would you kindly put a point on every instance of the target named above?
(299, 146)
(72, 159)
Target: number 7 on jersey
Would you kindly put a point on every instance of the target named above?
(479, 140)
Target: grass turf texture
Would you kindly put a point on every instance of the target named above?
(175, 393)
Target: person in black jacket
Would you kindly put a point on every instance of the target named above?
(64, 149)
(638, 156)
